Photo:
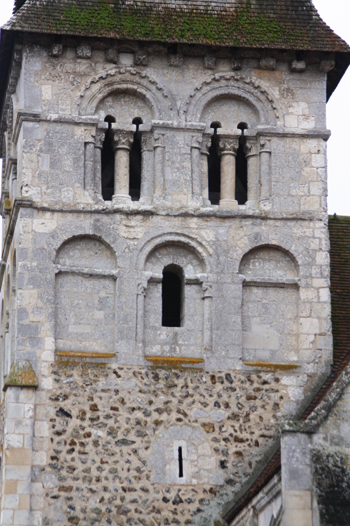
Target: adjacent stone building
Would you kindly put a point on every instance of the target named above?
(165, 270)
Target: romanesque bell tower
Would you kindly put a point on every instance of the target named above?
(165, 270)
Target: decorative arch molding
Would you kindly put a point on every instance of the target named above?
(126, 80)
(202, 250)
(232, 85)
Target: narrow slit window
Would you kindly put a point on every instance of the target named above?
(241, 168)
(135, 163)
(214, 170)
(107, 163)
(181, 466)
(172, 296)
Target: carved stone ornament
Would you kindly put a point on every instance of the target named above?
(141, 58)
(159, 139)
(146, 142)
(209, 62)
(205, 146)
(56, 50)
(250, 148)
(265, 144)
(207, 290)
(84, 52)
(228, 145)
(99, 139)
(122, 139)
(196, 141)
(236, 64)
(298, 66)
(141, 289)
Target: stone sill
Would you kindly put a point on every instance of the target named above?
(176, 362)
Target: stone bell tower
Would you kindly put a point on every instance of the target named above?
(165, 270)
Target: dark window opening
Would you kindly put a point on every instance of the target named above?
(214, 170)
(172, 296)
(107, 163)
(135, 163)
(181, 467)
(241, 168)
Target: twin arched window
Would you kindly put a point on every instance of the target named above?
(214, 167)
(108, 162)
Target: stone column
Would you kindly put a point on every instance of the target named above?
(122, 141)
(159, 151)
(141, 292)
(251, 153)
(147, 170)
(99, 140)
(208, 299)
(196, 197)
(228, 149)
(89, 168)
(265, 173)
(206, 143)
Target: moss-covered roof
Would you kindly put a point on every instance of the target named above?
(286, 24)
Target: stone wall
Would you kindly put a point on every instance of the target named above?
(112, 432)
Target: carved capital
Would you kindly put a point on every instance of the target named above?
(99, 138)
(196, 141)
(146, 142)
(207, 290)
(141, 289)
(122, 139)
(265, 144)
(228, 145)
(159, 139)
(250, 148)
(205, 146)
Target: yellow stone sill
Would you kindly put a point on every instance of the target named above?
(77, 356)
(176, 362)
(272, 366)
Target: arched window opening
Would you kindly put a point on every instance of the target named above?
(241, 168)
(135, 162)
(214, 171)
(107, 163)
(172, 296)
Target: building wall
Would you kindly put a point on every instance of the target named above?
(83, 277)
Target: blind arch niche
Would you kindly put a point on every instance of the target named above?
(270, 309)
(85, 297)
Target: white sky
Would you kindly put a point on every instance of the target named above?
(336, 13)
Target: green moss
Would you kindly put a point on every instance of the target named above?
(175, 25)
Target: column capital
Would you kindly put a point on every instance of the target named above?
(250, 148)
(122, 139)
(99, 138)
(196, 141)
(146, 142)
(265, 144)
(228, 145)
(159, 140)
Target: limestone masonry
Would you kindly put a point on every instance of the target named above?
(165, 269)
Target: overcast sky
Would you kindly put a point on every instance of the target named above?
(336, 13)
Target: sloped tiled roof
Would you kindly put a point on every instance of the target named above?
(339, 233)
(286, 24)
